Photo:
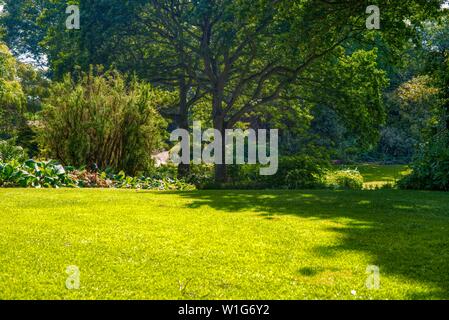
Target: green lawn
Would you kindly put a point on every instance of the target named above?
(223, 244)
(376, 175)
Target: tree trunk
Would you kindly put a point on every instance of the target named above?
(183, 121)
(221, 172)
(221, 175)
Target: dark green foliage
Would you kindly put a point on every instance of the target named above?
(9, 151)
(431, 166)
(12, 97)
(294, 172)
(21, 25)
(200, 175)
(396, 144)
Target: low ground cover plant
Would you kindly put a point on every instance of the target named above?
(50, 174)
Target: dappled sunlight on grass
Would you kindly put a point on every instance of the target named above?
(376, 173)
(378, 176)
(224, 244)
(393, 227)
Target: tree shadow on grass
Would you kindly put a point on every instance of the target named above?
(406, 232)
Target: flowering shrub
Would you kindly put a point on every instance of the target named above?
(344, 179)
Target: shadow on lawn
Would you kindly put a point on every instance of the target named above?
(407, 233)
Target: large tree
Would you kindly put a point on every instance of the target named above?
(255, 53)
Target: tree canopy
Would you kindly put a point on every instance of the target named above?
(237, 60)
(12, 97)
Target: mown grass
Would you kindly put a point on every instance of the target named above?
(223, 244)
(377, 176)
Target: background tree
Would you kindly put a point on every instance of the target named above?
(112, 35)
(12, 98)
(431, 164)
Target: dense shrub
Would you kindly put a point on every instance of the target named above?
(344, 179)
(200, 175)
(294, 172)
(396, 143)
(9, 151)
(103, 120)
(50, 174)
(431, 166)
(297, 172)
